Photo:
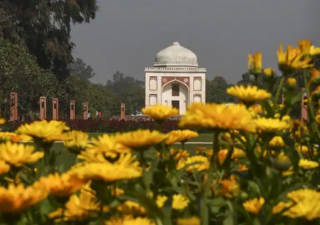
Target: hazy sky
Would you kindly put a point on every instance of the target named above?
(126, 35)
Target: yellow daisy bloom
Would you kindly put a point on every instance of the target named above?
(292, 82)
(61, 184)
(107, 172)
(218, 116)
(160, 112)
(108, 145)
(227, 187)
(189, 221)
(237, 153)
(255, 63)
(254, 205)
(306, 204)
(315, 76)
(248, 93)
(180, 136)
(271, 125)
(129, 221)
(43, 130)
(140, 139)
(17, 198)
(77, 208)
(268, 71)
(76, 141)
(4, 167)
(281, 206)
(292, 59)
(18, 154)
(202, 163)
(2, 121)
(277, 141)
(307, 164)
(307, 48)
(8, 136)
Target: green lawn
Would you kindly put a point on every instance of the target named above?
(201, 138)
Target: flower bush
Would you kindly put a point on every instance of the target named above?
(263, 167)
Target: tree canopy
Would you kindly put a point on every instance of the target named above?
(43, 28)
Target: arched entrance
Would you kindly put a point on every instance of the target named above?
(175, 94)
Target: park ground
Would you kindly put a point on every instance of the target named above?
(68, 159)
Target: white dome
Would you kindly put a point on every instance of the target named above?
(176, 55)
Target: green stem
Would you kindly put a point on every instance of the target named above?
(279, 89)
(204, 207)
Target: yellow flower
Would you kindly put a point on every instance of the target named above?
(255, 63)
(43, 130)
(248, 93)
(200, 163)
(308, 49)
(61, 184)
(316, 93)
(179, 202)
(18, 154)
(218, 116)
(180, 136)
(307, 164)
(306, 204)
(2, 121)
(76, 141)
(77, 208)
(256, 108)
(292, 59)
(315, 76)
(140, 139)
(8, 136)
(242, 167)
(189, 221)
(4, 168)
(17, 198)
(277, 141)
(268, 71)
(288, 172)
(271, 125)
(227, 187)
(107, 172)
(281, 206)
(292, 81)
(236, 154)
(130, 207)
(160, 112)
(254, 205)
(129, 221)
(177, 154)
(107, 145)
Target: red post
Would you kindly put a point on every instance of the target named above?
(123, 111)
(55, 109)
(13, 106)
(43, 108)
(304, 107)
(72, 110)
(85, 106)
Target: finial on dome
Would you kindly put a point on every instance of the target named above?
(176, 43)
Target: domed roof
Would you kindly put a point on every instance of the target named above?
(176, 55)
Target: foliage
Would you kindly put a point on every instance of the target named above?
(20, 73)
(43, 28)
(216, 90)
(79, 68)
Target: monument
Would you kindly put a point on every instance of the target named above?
(175, 79)
(123, 111)
(13, 106)
(85, 107)
(55, 109)
(72, 110)
(43, 108)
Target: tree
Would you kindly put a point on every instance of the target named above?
(79, 68)
(43, 28)
(216, 90)
(129, 91)
(246, 79)
(20, 73)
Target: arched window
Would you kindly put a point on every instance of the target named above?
(175, 89)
